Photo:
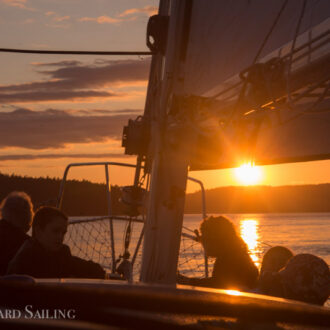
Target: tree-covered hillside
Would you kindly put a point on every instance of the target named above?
(87, 198)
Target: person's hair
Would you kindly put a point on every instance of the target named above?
(17, 209)
(275, 259)
(44, 216)
(220, 232)
(306, 277)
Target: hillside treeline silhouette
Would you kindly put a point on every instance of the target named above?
(262, 199)
(84, 198)
(80, 198)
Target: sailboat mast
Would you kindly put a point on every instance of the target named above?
(170, 163)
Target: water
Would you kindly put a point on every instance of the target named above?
(300, 232)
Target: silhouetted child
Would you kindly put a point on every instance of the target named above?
(233, 267)
(16, 220)
(273, 261)
(45, 255)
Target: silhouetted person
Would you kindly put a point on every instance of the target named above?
(305, 278)
(233, 267)
(16, 220)
(273, 261)
(45, 255)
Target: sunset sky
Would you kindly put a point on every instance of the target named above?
(56, 109)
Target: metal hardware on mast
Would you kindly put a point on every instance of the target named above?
(169, 168)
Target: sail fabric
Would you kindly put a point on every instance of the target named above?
(225, 36)
(281, 119)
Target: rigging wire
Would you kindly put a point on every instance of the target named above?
(309, 109)
(244, 85)
(290, 62)
(285, 57)
(279, 14)
(242, 92)
(302, 12)
(291, 101)
(73, 52)
(270, 31)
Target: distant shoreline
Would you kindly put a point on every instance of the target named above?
(274, 213)
(262, 199)
(84, 198)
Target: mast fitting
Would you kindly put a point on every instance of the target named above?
(157, 33)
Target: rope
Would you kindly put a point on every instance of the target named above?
(188, 229)
(73, 52)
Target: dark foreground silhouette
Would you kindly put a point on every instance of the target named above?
(233, 267)
(45, 255)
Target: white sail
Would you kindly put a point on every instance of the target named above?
(226, 38)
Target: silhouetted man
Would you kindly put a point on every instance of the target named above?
(16, 220)
(45, 256)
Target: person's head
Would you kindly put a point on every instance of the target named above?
(275, 259)
(17, 209)
(49, 227)
(219, 237)
(306, 278)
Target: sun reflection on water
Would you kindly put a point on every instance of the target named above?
(249, 230)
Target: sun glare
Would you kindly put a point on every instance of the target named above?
(233, 292)
(248, 174)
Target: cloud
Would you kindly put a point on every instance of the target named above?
(124, 16)
(50, 13)
(131, 111)
(29, 21)
(21, 4)
(149, 10)
(61, 19)
(15, 3)
(54, 128)
(112, 72)
(73, 81)
(61, 155)
(39, 45)
(58, 25)
(96, 112)
(46, 96)
(58, 64)
(101, 20)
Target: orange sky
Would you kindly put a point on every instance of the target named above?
(57, 110)
(284, 174)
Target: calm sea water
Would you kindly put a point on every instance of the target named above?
(300, 232)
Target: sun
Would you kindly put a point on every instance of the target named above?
(248, 174)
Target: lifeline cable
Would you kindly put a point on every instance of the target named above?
(73, 52)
